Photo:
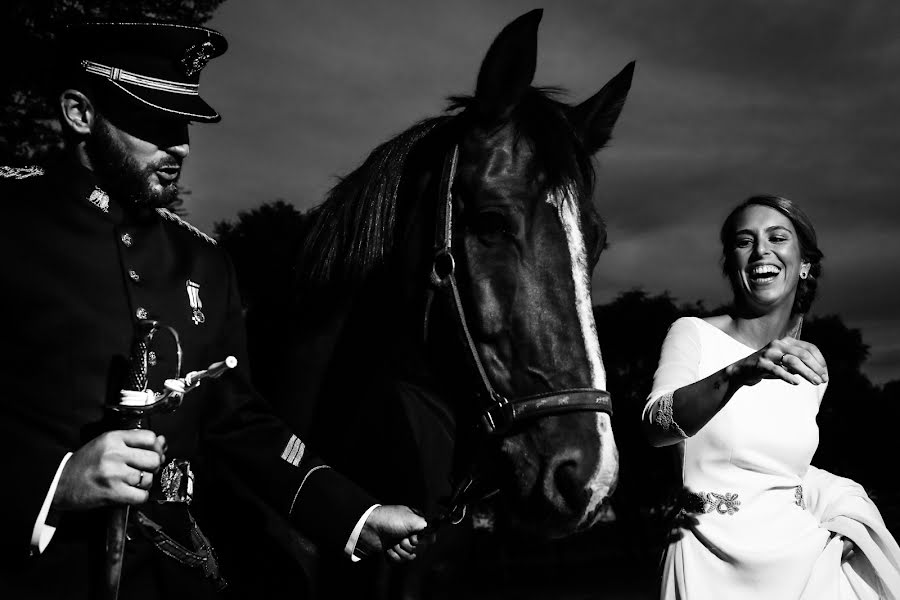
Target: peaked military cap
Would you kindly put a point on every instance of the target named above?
(155, 64)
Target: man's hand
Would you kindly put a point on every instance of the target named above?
(393, 529)
(114, 468)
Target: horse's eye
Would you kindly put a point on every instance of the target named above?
(491, 224)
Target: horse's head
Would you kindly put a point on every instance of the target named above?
(525, 241)
(502, 191)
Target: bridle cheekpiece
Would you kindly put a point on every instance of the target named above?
(499, 413)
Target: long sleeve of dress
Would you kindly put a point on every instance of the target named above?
(679, 363)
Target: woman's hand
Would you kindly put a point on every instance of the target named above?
(787, 358)
(848, 550)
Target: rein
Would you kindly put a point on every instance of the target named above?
(498, 413)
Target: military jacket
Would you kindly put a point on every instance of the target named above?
(79, 271)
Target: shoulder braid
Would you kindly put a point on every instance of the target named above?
(20, 172)
(170, 216)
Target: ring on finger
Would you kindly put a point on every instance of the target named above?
(140, 482)
(781, 360)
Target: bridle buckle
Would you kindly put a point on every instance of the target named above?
(443, 267)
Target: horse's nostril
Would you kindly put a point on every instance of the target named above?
(564, 484)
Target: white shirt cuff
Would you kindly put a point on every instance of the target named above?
(42, 533)
(350, 548)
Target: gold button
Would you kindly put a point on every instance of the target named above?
(127, 240)
(134, 276)
(141, 313)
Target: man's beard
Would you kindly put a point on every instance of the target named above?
(122, 177)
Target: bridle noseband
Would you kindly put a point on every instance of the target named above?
(499, 413)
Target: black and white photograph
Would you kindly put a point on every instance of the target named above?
(421, 300)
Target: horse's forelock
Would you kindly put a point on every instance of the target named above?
(540, 119)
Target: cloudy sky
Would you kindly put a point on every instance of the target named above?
(731, 98)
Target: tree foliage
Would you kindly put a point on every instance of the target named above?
(631, 330)
(263, 246)
(29, 132)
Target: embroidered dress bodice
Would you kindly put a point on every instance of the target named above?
(762, 440)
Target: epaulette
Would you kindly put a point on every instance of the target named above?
(167, 214)
(20, 172)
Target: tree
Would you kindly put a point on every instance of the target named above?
(849, 419)
(263, 245)
(631, 330)
(29, 132)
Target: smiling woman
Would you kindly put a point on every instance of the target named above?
(739, 394)
(788, 231)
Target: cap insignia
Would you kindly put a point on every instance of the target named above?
(196, 57)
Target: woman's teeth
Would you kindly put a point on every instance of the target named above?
(764, 273)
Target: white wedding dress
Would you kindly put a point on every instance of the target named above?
(765, 520)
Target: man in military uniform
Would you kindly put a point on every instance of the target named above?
(92, 254)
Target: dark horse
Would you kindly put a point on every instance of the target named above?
(447, 335)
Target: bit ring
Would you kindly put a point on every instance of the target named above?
(781, 360)
(140, 483)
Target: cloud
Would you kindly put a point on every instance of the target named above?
(681, 259)
(729, 99)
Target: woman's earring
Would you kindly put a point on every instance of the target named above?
(804, 272)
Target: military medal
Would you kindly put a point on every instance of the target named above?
(193, 292)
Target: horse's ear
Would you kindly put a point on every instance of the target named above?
(594, 118)
(508, 67)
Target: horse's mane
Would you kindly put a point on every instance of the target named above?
(352, 232)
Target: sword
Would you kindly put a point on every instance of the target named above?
(134, 405)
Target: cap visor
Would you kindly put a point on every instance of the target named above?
(186, 106)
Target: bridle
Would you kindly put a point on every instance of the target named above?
(498, 414)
